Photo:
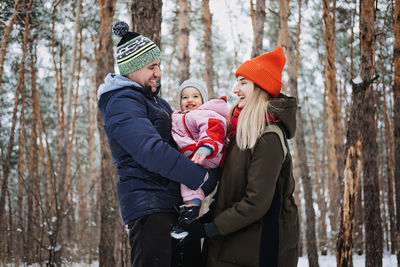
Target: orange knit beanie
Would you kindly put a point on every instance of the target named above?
(265, 70)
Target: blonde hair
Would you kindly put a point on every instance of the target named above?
(252, 119)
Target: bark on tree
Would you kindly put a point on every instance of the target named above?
(7, 162)
(6, 37)
(373, 223)
(21, 174)
(284, 40)
(209, 77)
(171, 96)
(107, 194)
(396, 119)
(183, 40)
(358, 233)
(258, 28)
(146, 17)
(34, 162)
(208, 48)
(57, 75)
(336, 163)
(351, 179)
(389, 155)
(322, 236)
(69, 138)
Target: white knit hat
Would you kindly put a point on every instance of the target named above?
(199, 85)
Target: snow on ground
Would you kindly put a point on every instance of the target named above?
(358, 261)
(324, 261)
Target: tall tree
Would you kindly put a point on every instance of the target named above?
(322, 235)
(336, 163)
(284, 40)
(389, 153)
(208, 47)
(7, 162)
(146, 17)
(107, 193)
(373, 227)
(183, 40)
(352, 175)
(6, 37)
(258, 19)
(396, 121)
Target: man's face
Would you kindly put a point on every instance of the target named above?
(148, 75)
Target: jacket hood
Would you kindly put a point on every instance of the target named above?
(115, 81)
(285, 108)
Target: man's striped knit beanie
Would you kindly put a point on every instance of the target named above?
(134, 51)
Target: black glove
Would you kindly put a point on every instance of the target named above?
(195, 229)
(213, 177)
(198, 230)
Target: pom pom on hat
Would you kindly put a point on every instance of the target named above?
(265, 70)
(120, 28)
(199, 85)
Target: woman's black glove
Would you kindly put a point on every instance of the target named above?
(198, 230)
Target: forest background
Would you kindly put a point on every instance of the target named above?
(58, 200)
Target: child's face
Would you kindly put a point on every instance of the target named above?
(190, 99)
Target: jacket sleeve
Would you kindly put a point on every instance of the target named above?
(212, 128)
(129, 125)
(262, 175)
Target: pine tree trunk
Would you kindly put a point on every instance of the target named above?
(183, 40)
(70, 94)
(6, 37)
(284, 39)
(146, 17)
(34, 157)
(258, 28)
(322, 235)
(389, 156)
(336, 163)
(107, 194)
(57, 75)
(208, 48)
(21, 174)
(7, 162)
(172, 93)
(373, 223)
(396, 119)
(358, 235)
(351, 180)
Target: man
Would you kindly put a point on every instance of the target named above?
(150, 169)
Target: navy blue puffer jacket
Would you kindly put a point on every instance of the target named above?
(137, 123)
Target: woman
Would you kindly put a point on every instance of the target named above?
(255, 218)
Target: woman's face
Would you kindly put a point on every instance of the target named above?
(243, 89)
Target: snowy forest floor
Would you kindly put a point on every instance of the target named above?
(324, 261)
(358, 261)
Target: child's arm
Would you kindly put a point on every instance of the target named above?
(201, 154)
(211, 127)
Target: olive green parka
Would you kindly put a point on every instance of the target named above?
(254, 208)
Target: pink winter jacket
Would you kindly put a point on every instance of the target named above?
(205, 126)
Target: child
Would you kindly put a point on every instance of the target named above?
(199, 131)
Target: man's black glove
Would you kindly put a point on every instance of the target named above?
(213, 177)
